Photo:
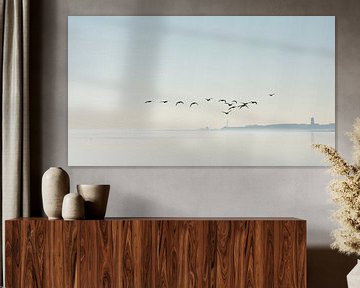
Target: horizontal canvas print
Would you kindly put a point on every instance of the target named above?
(200, 90)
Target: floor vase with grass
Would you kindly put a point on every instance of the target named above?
(353, 278)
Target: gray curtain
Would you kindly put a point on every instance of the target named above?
(14, 39)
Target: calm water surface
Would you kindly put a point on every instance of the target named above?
(195, 148)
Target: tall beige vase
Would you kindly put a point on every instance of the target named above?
(55, 185)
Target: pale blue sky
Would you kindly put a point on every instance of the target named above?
(118, 62)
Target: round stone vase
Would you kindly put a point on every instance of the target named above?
(96, 198)
(73, 207)
(55, 185)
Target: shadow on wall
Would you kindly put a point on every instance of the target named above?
(328, 268)
(37, 12)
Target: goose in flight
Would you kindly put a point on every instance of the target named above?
(164, 101)
(244, 104)
(222, 100)
(193, 103)
(226, 112)
(148, 101)
(272, 94)
(179, 102)
(208, 99)
(253, 102)
(234, 101)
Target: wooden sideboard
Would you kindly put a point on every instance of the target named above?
(156, 252)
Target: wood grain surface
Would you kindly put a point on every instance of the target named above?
(159, 252)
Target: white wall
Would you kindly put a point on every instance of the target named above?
(297, 192)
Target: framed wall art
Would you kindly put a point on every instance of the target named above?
(200, 90)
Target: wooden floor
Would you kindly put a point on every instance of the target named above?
(156, 253)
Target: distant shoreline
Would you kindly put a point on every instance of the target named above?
(304, 127)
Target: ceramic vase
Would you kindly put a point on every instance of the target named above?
(353, 278)
(55, 185)
(96, 198)
(73, 207)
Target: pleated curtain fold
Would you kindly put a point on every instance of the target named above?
(15, 165)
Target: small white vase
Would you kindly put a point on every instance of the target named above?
(353, 278)
(55, 185)
(96, 198)
(73, 207)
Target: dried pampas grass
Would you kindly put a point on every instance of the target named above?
(345, 192)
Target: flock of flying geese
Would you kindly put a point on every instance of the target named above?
(231, 105)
